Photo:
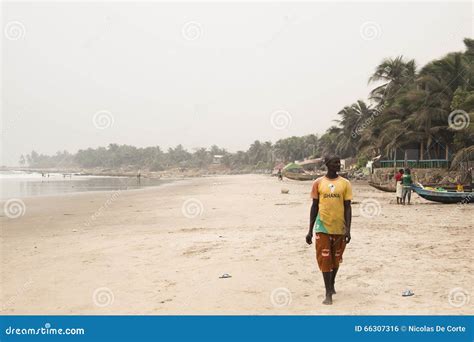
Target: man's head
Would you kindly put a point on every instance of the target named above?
(407, 171)
(401, 171)
(333, 163)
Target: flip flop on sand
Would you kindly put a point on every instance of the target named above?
(407, 293)
(225, 275)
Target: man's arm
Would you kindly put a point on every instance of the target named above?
(312, 219)
(348, 219)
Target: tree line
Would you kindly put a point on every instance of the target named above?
(409, 106)
(260, 155)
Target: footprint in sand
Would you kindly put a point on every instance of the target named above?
(169, 283)
(364, 284)
(352, 276)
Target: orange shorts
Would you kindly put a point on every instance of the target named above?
(329, 250)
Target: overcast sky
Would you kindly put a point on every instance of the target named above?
(78, 75)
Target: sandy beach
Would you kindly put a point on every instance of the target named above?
(162, 250)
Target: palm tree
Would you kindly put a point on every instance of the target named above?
(396, 75)
(453, 71)
(328, 141)
(354, 120)
(432, 98)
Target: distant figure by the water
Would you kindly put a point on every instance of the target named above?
(280, 175)
(26, 184)
(406, 182)
(399, 186)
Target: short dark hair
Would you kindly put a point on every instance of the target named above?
(328, 158)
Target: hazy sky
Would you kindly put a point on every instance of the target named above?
(78, 75)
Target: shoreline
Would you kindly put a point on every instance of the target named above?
(81, 172)
(57, 196)
(174, 173)
(162, 250)
(58, 187)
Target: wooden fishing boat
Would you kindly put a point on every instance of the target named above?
(389, 188)
(382, 187)
(300, 176)
(444, 196)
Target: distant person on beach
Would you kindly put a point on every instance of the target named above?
(280, 176)
(139, 175)
(406, 182)
(399, 186)
(330, 222)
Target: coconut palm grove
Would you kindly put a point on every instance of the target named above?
(413, 112)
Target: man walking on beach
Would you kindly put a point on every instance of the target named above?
(330, 221)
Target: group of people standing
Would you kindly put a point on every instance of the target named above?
(403, 185)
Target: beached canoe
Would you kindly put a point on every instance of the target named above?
(300, 176)
(444, 196)
(382, 187)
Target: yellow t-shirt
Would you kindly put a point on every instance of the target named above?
(331, 193)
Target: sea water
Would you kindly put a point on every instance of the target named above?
(18, 184)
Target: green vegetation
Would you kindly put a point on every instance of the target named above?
(407, 107)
